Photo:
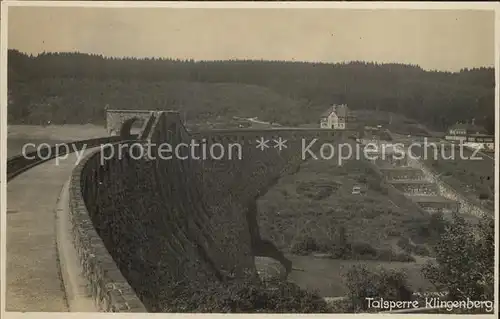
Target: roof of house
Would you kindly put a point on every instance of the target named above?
(482, 135)
(340, 110)
(327, 112)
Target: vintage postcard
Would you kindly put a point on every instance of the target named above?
(311, 158)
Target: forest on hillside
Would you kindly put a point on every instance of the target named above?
(74, 88)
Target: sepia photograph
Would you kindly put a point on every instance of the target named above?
(249, 158)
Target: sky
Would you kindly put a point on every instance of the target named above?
(434, 39)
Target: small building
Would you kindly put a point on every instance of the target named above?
(482, 141)
(481, 138)
(472, 134)
(460, 130)
(335, 117)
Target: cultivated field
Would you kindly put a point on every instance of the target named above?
(473, 178)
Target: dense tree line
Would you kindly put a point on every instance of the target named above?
(464, 268)
(75, 87)
(465, 260)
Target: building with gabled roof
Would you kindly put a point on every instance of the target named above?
(335, 117)
(472, 134)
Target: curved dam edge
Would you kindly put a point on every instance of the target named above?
(92, 279)
(107, 250)
(105, 283)
(75, 286)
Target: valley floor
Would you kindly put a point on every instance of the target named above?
(318, 201)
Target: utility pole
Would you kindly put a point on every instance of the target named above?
(106, 108)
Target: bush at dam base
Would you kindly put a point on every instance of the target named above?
(242, 296)
(269, 269)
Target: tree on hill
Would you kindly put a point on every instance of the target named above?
(86, 81)
(465, 260)
(388, 284)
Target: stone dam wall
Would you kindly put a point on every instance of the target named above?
(106, 285)
(153, 231)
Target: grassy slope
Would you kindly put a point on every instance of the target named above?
(327, 276)
(318, 199)
(396, 123)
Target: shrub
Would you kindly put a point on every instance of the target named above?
(305, 246)
(403, 243)
(339, 306)
(465, 260)
(244, 296)
(402, 257)
(363, 249)
(409, 248)
(316, 191)
(385, 254)
(374, 185)
(427, 229)
(340, 248)
(421, 250)
(394, 233)
(437, 225)
(484, 196)
(341, 251)
(363, 283)
(288, 297)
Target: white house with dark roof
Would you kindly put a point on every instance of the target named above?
(471, 134)
(335, 117)
(465, 129)
(460, 131)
